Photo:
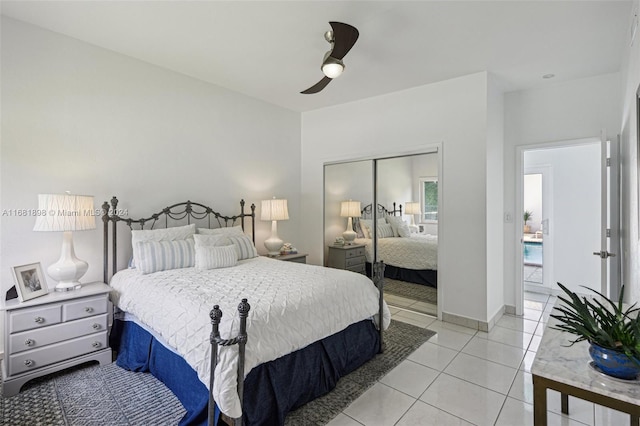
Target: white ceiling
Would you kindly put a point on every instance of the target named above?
(272, 50)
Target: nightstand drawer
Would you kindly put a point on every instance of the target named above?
(84, 308)
(354, 261)
(354, 252)
(33, 339)
(36, 358)
(359, 268)
(26, 319)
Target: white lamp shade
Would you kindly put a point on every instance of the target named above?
(350, 209)
(274, 210)
(412, 208)
(65, 212)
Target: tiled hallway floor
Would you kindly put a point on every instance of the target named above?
(467, 377)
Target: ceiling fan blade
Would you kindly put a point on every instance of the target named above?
(318, 86)
(344, 36)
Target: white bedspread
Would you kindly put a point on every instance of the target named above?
(292, 305)
(417, 252)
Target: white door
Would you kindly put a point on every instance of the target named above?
(609, 252)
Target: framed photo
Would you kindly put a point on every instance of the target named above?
(30, 281)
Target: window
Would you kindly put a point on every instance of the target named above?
(429, 199)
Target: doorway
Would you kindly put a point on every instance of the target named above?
(566, 222)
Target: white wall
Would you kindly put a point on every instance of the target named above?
(562, 111)
(452, 112)
(575, 215)
(81, 118)
(629, 166)
(394, 181)
(495, 199)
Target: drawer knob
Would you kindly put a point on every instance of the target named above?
(29, 342)
(39, 320)
(96, 326)
(28, 362)
(88, 309)
(96, 344)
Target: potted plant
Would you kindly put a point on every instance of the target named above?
(612, 331)
(527, 217)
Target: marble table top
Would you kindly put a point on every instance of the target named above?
(555, 360)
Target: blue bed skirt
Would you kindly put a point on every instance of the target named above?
(271, 389)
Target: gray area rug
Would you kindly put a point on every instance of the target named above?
(417, 292)
(93, 395)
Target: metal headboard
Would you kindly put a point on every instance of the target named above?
(186, 210)
(367, 211)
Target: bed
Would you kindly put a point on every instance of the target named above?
(408, 256)
(162, 325)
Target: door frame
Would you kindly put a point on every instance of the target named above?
(519, 208)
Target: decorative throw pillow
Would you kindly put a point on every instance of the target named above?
(244, 247)
(399, 226)
(230, 230)
(164, 234)
(154, 256)
(212, 257)
(365, 225)
(384, 230)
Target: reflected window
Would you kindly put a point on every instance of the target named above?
(429, 199)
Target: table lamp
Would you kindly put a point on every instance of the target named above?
(274, 210)
(349, 209)
(411, 208)
(66, 213)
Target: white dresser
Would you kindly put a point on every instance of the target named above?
(53, 332)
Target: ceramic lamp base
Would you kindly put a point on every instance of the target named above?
(68, 270)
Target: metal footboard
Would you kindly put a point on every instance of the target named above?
(216, 340)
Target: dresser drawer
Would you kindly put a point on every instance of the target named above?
(354, 252)
(354, 261)
(41, 316)
(33, 339)
(83, 308)
(36, 358)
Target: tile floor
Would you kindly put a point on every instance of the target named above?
(467, 377)
(411, 304)
(533, 274)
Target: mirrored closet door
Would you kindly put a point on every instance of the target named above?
(400, 196)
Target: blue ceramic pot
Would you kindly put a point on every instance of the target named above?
(613, 363)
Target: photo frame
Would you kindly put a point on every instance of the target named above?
(30, 281)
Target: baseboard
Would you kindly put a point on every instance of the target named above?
(510, 310)
(474, 323)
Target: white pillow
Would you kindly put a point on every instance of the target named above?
(384, 230)
(217, 240)
(231, 230)
(164, 234)
(399, 226)
(365, 225)
(212, 257)
(154, 256)
(244, 246)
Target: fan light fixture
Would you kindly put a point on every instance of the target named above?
(332, 67)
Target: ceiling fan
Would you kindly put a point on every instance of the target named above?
(342, 38)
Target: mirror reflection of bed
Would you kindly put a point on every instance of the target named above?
(406, 243)
(410, 258)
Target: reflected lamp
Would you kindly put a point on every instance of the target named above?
(349, 209)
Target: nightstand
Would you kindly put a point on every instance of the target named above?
(351, 258)
(298, 257)
(54, 332)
